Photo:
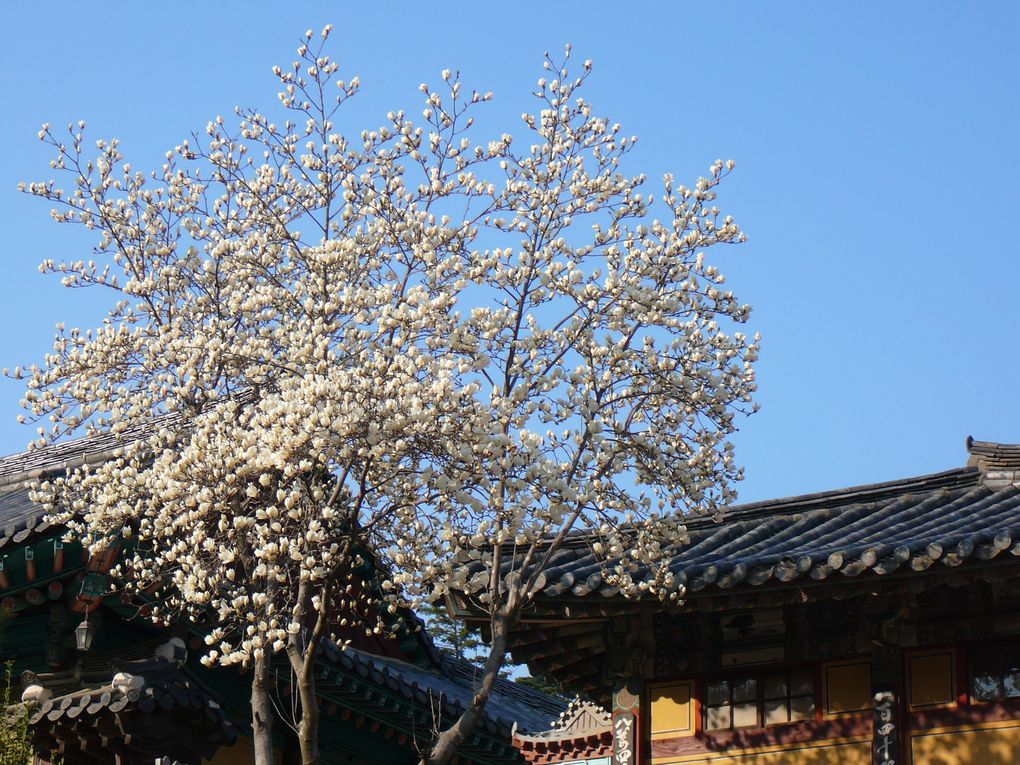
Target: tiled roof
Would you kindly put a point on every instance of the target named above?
(583, 732)
(448, 679)
(20, 517)
(999, 463)
(967, 515)
(165, 685)
(83, 699)
(452, 683)
(64, 454)
(93, 448)
(512, 703)
(158, 665)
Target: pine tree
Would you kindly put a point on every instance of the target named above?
(541, 683)
(452, 635)
(15, 736)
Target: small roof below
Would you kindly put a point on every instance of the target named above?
(582, 732)
(581, 718)
(451, 684)
(97, 703)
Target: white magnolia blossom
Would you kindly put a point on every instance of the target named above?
(448, 351)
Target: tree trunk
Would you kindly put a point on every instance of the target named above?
(308, 728)
(262, 713)
(446, 744)
(302, 661)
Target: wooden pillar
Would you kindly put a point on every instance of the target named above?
(626, 722)
(887, 690)
(631, 654)
(891, 617)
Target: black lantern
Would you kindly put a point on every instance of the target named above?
(84, 634)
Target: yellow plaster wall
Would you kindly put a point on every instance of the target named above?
(825, 753)
(991, 744)
(846, 687)
(672, 708)
(931, 679)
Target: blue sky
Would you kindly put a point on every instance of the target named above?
(877, 168)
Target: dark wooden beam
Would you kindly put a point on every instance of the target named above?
(555, 645)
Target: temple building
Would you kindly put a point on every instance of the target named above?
(105, 685)
(876, 624)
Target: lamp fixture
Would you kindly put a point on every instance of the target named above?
(85, 634)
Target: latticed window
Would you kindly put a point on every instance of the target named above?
(758, 700)
(995, 674)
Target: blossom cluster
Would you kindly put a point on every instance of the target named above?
(443, 353)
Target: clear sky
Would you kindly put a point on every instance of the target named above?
(877, 177)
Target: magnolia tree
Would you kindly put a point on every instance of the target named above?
(449, 352)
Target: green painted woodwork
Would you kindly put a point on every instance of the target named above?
(32, 642)
(23, 638)
(42, 554)
(95, 585)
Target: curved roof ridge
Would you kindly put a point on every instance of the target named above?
(831, 498)
(38, 461)
(992, 448)
(999, 463)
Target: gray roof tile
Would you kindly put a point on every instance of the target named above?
(946, 518)
(454, 681)
(19, 515)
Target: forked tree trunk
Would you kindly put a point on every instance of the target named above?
(445, 747)
(262, 713)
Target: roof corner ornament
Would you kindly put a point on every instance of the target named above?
(999, 463)
(174, 651)
(36, 694)
(129, 685)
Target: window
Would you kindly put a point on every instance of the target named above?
(770, 699)
(995, 674)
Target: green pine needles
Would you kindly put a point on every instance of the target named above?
(15, 741)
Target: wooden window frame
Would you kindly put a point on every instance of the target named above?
(1001, 648)
(759, 676)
